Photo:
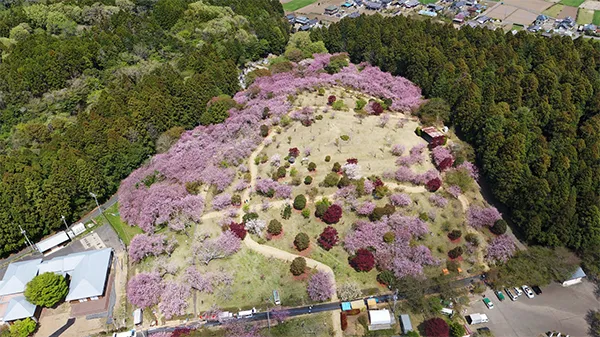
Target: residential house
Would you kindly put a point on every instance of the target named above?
(435, 8)
(332, 10)
(302, 20)
(13, 305)
(374, 6)
(291, 18)
(412, 3)
(541, 19)
(483, 19)
(354, 15)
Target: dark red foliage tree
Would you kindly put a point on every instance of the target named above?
(433, 185)
(446, 164)
(377, 108)
(328, 238)
(332, 215)
(344, 320)
(238, 229)
(377, 182)
(436, 327)
(331, 99)
(363, 260)
(294, 152)
(352, 161)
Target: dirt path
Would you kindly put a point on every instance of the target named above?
(408, 188)
(269, 251)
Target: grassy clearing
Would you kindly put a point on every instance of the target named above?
(572, 3)
(554, 10)
(585, 16)
(427, 2)
(596, 19)
(318, 325)
(124, 231)
(296, 4)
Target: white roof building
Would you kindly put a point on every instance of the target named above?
(53, 241)
(379, 317)
(18, 308)
(17, 275)
(88, 271)
(576, 278)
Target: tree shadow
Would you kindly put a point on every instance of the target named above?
(593, 319)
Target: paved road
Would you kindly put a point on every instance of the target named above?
(310, 309)
(28, 253)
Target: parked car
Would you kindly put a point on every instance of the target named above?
(500, 295)
(518, 291)
(488, 303)
(485, 330)
(510, 294)
(528, 292)
(537, 290)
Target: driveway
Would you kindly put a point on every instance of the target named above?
(558, 308)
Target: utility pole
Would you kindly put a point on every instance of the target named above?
(268, 300)
(26, 238)
(65, 222)
(100, 208)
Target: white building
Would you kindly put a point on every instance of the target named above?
(380, 319)
(576, 278)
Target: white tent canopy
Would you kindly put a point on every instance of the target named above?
(380, 317)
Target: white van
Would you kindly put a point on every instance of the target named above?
(124, 334)
(246, 313)
(276, 298)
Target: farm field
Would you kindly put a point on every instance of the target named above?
(554, 11)
(296, 4)
(585, 16)
(596, 19)
(572, 3)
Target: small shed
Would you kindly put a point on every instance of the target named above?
(380, 319)
(54, 242)
(576, 278)
(372, 304)
(406, 323)
(346, 306)
(358, 304)
(137, 316)
(433, 135)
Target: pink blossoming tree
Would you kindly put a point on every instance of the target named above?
(320, 286)
(144, 289)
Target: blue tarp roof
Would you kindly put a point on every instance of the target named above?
(346, 306)
(579, 273)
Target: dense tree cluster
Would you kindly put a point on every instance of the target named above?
(90, 91)
(528, 104)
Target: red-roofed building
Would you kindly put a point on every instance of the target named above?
(434, 136)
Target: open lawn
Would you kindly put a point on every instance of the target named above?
(585, 16)
(596, 19)
(296, 4)
(318, 325)
(426, 2)
(572, 3)
(124, 231)
(554, 10)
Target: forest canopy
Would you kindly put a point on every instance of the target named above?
(528, 104)
(90, 90)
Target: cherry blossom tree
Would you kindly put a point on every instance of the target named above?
(161, 334)
(173, 300)
(366, 208)
(397, 149)
(256, 226)
(400, 199)
(454, 190)
(144, 289)
(352, 170)
(470, 168)
(221, 201)
(320, 286)
(275, 160)
(438, 201)
(478, 217)
(198, 281)
(143, 245)
(500, 249)
(207, 249)
(368, 187)
(442, 158)
(280, 314)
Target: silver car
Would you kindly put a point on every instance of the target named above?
(518, 291)
(528, 292)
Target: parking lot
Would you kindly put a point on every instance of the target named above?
(558, 308)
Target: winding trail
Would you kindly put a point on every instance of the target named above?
(273, 252)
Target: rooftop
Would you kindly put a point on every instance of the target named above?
(18, 308)
(17, 275)
(52, 241)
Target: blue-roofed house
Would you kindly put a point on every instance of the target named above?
(435, 8)
(373, 6)
(17, 275)
(412, 3)
(354, 15)
(576, 278)
(541, 19)
(406, 324)
(291, 18)
(19, 308)
(303, 20)
(347, 5)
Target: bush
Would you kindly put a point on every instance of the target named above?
(389, 237)
(236, 200)
(274, 227)
(298, 266)
(321, 207)
(363, 260)
(321, 92)
(46, 289)
(327, 159)
(308, 180)
(280, 173)
(433, 185)
(472, 238)
(436, 327)
(333, 214)
(301, 241)
(377, 108)
(331, 180)
(456, 252)
(499, 227)
(386, 277)
(344, 181)
(293, 152)
(456, 329)
(331, 99)
(299, 202)
(286, 213)
(344, 320)
(379, 212)
(306, 213)
(238, 229)
(455, 234)
(336, 63)
(336, 167)
(328, 238)
(264, 130)
(452, 266)
(345, 138)
(360, 104)
(338, 105)
(249, 216)
(312, 166)
(23, 327)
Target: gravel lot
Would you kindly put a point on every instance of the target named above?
(558, 308)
